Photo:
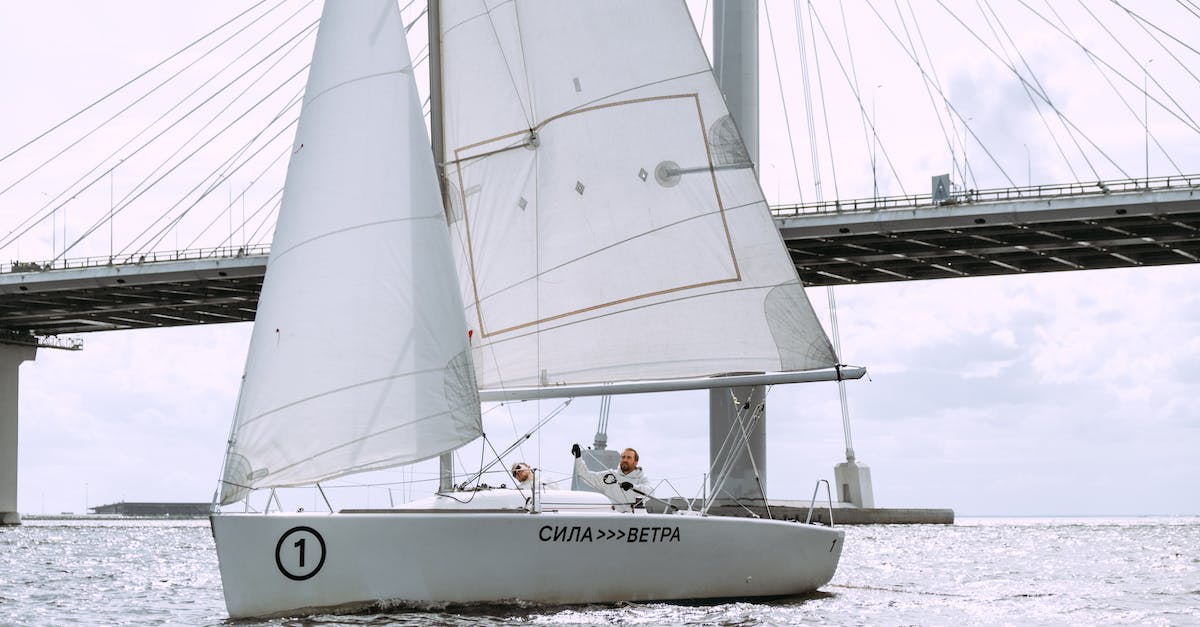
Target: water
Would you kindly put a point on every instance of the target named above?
(1020, 571)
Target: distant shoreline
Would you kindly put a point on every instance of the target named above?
(77, 517)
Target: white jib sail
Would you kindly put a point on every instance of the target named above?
(359, 357)
(608, 222)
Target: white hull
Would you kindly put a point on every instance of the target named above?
(357, 559)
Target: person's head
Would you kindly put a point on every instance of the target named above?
(520, 471)
(629, 460)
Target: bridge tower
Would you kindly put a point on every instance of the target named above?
(11, 358)
(735, 65)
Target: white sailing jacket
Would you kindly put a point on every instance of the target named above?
(609, 483)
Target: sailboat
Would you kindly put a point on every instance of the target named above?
(587, 221)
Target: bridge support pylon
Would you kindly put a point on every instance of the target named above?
(11, 358)
(730, 435)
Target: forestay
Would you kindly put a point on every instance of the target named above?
(358, 359)
(607, 221)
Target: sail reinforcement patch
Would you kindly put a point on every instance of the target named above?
(462, 395)
(788, 316)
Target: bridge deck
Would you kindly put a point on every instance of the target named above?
(145, 293)
(1016, 231)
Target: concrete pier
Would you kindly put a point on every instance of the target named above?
(843, 513)
(11, 358)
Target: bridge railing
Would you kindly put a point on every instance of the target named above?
(780, 211)
(1031, 192)
(219, 252)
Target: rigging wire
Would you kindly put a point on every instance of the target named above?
(1141, 65)
(1143, 22)
(941, 93)
(222, 177)
(263, 171)
(926, 79)
(134, 194)
(1062, 118)
(1144, 118)
(787, 120)
(268, 208)
(295, 99)
(1046, 123)
(806, 87)
(526, 98)
(733, 438)
(837, 350)
(131, 81)
(857, 96)
(499, 457)
(126, 108)
(1040, 92)
(165, 229)
(824, 107)
(1088, 52)
(871, 120)
(45, 210)
(242, 197)
(854, 86)
(820, 198)
(253, 238)
(1028, 81)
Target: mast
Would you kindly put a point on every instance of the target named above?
(437, 142)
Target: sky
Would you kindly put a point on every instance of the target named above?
(1069, 393)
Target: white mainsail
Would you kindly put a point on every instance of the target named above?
(608, 222)
(359, 357)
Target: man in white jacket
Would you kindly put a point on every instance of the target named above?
(624, 486)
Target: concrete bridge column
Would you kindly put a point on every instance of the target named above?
(727, 420)
(11, 357)
(735, 66)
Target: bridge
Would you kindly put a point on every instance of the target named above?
(1046, 228)
(55, 287)
(1129, 223)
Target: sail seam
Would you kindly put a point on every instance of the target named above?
(570, 112)
(635, 308)
(735, 279)
(587, 105)
(368, 466)
(403, 70)
(356, 227)
(545, 271)
(306, 399)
